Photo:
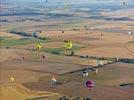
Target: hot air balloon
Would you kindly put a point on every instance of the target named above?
(35, 34)
(43, 57)
(23, 58)
(68, 45)
(53, 80)
(38, 46)
(12, 79)
(124, 3)
(129, 33)
(89, 84)
(85, 73)
(66, 7)
(95, 71)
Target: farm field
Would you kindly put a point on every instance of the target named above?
(34, 50)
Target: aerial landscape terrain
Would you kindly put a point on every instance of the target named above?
(67, 50)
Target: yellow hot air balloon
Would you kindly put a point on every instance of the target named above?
(68, 45)
(38, 46)
(12, 79)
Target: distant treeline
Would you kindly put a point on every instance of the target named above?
(124, 60)
(127, 61)
(21, 33)
(27, 35)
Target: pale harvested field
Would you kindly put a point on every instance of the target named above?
(106, 83)
(33, 61)
(12, 54)
(18, 92)
(9, 35)
(116, 74)
(93, 62)
(20, 75)
(101, 92)
(117, 52)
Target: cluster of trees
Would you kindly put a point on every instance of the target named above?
(21, 33)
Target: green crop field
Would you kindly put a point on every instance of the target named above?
(13, 42)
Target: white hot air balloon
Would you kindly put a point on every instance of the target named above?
(85, 73)
(129, 33)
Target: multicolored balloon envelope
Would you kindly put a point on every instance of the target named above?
(89, 84)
